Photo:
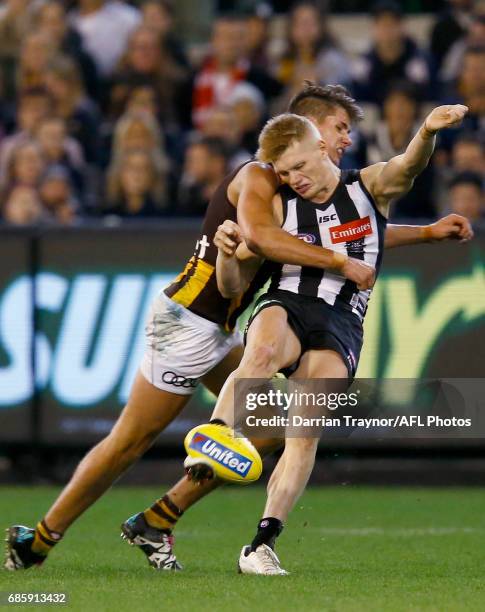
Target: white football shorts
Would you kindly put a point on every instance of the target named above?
(181, 347)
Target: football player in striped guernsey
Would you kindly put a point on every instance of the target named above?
(205, 350)
(311, 319)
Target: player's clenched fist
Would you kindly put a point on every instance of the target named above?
(445, 117)
(363, 274)
(451, 227)
(228, 237)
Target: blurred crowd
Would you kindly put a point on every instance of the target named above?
(106, 112)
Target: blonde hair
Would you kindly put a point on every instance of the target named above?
(8, 178)
(281, 132)
(157, 190)
(126, 121)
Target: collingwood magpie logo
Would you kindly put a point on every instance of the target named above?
(308, 238)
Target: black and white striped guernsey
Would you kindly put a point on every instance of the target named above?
(349, 222)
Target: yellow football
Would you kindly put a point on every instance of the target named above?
(232, 459)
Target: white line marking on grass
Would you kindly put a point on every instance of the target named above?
(404, 532)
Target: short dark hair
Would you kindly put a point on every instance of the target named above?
(216, 146)
(476, 49)
(231, 16)
(404, 87)
(468, 137)
(386, 7)
(317, 101)
(467, 178)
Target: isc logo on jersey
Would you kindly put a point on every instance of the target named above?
(232, 459)
(327, 218)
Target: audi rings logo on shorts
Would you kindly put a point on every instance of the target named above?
(179, 381)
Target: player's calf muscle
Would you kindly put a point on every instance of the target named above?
(124, 450)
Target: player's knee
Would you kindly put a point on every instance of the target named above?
(261, 362)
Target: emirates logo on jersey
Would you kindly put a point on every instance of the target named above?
(351, 231)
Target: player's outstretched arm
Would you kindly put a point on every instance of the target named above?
(261, 229)
(235, 264)
(451, 227)
(389, 180)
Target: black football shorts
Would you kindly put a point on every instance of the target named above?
(317, 325)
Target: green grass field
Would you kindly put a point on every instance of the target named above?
(346, 548)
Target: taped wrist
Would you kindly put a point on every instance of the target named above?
(426, 233)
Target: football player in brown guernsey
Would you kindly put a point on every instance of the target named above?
(191, 340)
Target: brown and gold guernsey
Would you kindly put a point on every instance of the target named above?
(196, 287)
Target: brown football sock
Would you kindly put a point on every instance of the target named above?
(164, 514)
(44, 539)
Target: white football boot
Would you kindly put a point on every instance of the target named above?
(155, 544)
(262, 561)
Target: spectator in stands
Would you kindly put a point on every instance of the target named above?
(468, 154)
(224, 68)
(61, 150)
(159, 15)
(147, 63)
(399, 123)
(471, 83)
(51, 20)
(136, 185)
(205, 167)
(33, 106)
(137, 131)
(105, 26)
(466, 195)
(140, 131)
(474, 36)
(22, 207)
(57, 197)
(469, 89)
(450, 26)
(393, 56)
(312, 53)
(70, 102)
(15, 23)
(247, 104)
(25, 167)
(140, 99)
(143, 99)
(258, 36)
(222, 123)
(36, 52)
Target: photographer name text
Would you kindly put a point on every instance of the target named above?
(400, 421)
